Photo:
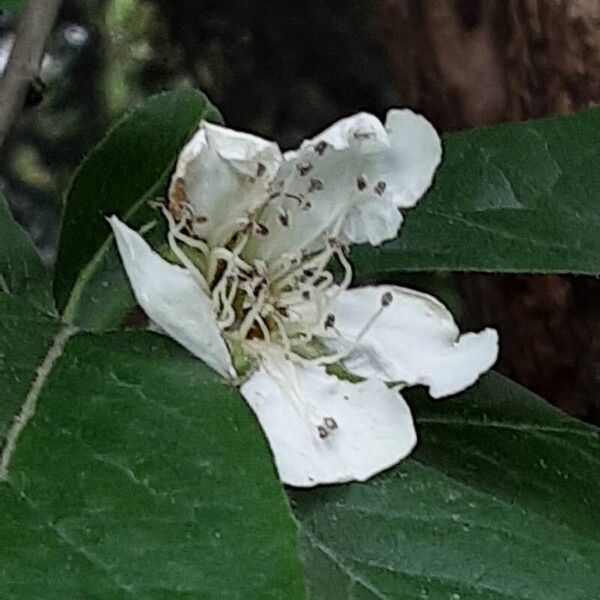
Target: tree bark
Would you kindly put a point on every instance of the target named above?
(469, 63)
(25, 59)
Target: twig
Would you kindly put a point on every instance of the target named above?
(35, 24)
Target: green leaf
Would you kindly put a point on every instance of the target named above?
(22, 273)
(499, 502)
(141, 475)
(11, 4)
(514, 198)
(25, 336)
(131, 165)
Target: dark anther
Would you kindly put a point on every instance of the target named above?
(201, 219)
(320, 147)
(362, 135)
(308, 272)
(315, 185)
(261, 229)
(361, 183)
(306, 295)
(386, 299)
(323, 433)
(283, 310)
(304, 168)
(380, 188)
(284, 219)
(306, 205)
(330, 423)
(329, 321)
(260, 169)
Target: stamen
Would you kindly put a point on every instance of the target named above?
(178, 252)
(386, 300)
(252, 314)
(281, 328)
(347, 280)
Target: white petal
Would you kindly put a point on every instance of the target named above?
(224, 176)
(374, 430)
(414, 340)
(354, 176)
(173, 299)
(417, 154)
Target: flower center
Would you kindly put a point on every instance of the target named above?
(284, 302)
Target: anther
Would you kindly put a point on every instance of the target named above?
(261, 229)
(386, 299)
(304, 168)
(260, 169)
(323, 432)
(380, 188)
(330, 423)
(320, 147)
(316, 185)
(363, 135)
(284, 219)
(361, 183)
(330, 321)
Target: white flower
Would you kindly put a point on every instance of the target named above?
(253, 232)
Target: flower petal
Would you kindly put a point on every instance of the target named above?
(223, 175)
(173, 299)
(350, 181)
(371, 425)
(414, 340)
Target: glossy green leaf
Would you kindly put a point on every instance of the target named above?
(22, 273)
(131, 165)
(141, 475)
(26, 324)
(25, 336)
(522, 197)
(499, 502)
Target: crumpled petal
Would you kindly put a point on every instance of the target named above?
(414, 340)
(223, 175)
(373, 430)
(350, 181)
(173, 299)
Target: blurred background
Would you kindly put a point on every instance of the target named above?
(287, 68)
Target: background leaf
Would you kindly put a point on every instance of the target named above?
(521, 197)
(11, 4)
(128, 167)
(22, 272)
(143, 475)
(500, 501)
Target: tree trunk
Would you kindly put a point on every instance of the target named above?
(469, 63)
